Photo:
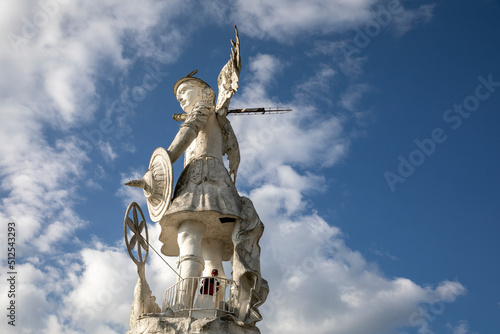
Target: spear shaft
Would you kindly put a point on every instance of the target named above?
(243, 111)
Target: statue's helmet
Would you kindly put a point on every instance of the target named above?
(207, 93)
(188, 78)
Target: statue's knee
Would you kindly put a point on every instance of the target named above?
(183, 237)
(191, 229)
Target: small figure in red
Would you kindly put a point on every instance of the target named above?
(208, 284)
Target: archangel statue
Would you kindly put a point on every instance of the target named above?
(206, 221)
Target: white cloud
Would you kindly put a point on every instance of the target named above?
(377, 250)
(286, 19)
(447, 291)
(55, 327)
(90, 291)
(110, 275)
(344, 53)
(461, 328)
(40, 181)
(351, 97)
(265, 67)
(107, 272)
(316, 89)
(409, 18)
(107, 151)
(131, 194)
(302, 138)
(319, 284)
(33, 291)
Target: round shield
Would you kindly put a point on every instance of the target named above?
(161, 178)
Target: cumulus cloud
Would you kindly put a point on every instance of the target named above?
(107, 151)
(130, 194)
(303, 138)
(42, 288)
(461, 328)
(316, 89)
(409, 18)
(447, 291)
(350, 98)
(108, 273)
(321, 285)
(286, 19)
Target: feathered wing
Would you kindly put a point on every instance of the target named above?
(227, 81)
(231, 148)
(228, 85)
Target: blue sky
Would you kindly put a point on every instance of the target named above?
(378, 192)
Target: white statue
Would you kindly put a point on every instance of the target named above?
(205, 203)
(207, 222)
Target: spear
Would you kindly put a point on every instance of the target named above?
(243, 111)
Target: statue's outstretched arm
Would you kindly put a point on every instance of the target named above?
(194, 122)
(181, 142)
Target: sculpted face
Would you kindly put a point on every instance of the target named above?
(188, 95)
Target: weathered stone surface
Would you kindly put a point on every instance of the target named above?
(154, 324)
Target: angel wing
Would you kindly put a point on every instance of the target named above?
(231, 149)
(228, 85)
(227, 81)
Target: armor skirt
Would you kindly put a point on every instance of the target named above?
(204, 193)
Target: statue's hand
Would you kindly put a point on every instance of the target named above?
(203, 107)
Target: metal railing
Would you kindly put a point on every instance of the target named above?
(201, 297)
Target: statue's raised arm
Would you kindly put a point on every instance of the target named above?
(227, 81)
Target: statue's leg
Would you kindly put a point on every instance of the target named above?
(191, 261)
(212, 252)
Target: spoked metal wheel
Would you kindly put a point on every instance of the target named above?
(140, 236)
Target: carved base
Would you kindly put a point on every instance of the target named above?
(159, 324)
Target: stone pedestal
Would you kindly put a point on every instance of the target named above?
(160, 324)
